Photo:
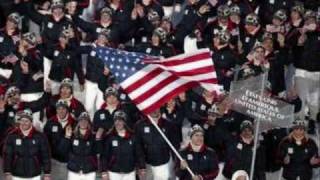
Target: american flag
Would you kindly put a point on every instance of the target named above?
(151, 82)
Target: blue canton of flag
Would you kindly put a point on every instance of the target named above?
(122, 64)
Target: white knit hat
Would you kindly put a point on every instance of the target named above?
(240, 173)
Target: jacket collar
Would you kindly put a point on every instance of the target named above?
(202, 149)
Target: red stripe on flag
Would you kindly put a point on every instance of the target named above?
(194, 72)
(166, 97)
(155, 89)
(213, 80)
(144, 80)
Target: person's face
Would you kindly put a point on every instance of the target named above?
(25, 124)
(309, 21)
(197, 139)
(72, 7)
(65, 92)
(10, 24)
(250, 28)
(146, 2)
(223, 20)
(166, 25)
(155, 40)
(192, 2)
(105, 18)
(241, 178)
(63, 40)
(102, 40)
(235, 18)
(294, 15)
(14, 98)
(156, 114)
(276, 22)
(172, 102)
(182, 96)
(207, 94)
(247, 133)
(83, 124)
(268, 44)
(212, 118)
(62, 112)
(57, 12)
(259, 53)
(46, 5)
(299, 132)
(156, 23)
(112, 99)
(119, 124)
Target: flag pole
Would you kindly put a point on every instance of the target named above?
(170, 145)
(257, 129)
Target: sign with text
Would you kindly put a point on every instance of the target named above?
(247, 98)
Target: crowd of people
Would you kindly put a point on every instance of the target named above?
(48, 131)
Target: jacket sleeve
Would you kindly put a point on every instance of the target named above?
(139, 149)
(105, 155)
(281, 153)
(78, 69)
(39, 104)
(173, 136)
(34, 15)
(182, 174)
(65, 145)
(230, 159)
(84, 25)
(8, 154)
(45, 154)
(313, 151)
(260, 166)
(214, 168)
(140, 162)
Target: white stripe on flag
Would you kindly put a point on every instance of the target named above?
(150, 84)
(201, 77)
(162, 93)
(138, 75)
(189, 66)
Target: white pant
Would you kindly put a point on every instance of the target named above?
(121, 176)
(93, 97)
(33, 27)
(55, 87)
(168, 10)
(58, 170)
(277, 175)
(161, 172)
(308, 87)
(34, 178)
(36, 116)
(171, 10)
(5, 72)
(46, 70)
(78, 176)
